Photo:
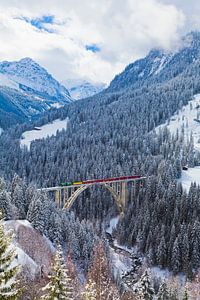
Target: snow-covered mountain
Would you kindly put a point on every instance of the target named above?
(27, 89)
(80, 88)
(159, 65)
(28, 76)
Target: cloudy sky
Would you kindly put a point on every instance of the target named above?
(92, 39)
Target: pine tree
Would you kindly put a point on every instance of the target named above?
(145, 290)
(73, 274)
(163, 293)
(17, 196)
(185, 295)
(8, 282)
(100, 275)
(176, 257)
(36, 213)
(90, 292)
(162, 253)
(5, 205)
(60, 285)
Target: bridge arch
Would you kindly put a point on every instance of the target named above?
(117, 196)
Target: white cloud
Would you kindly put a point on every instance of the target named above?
(123, 29)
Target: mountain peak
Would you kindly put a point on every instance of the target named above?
(27, 60)
(159, 65)
(82, 88)
(32, 77)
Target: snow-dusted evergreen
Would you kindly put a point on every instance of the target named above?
(100, 275)
(145, 289)
(60, 286)
(163, 293)
(8, 283)
(90, 292)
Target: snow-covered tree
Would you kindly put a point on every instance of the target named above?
(100, 275)
(36, 213)
(145, 289)
(163, 293)
(161, 253)
(60, 286)
(176, 257)
(8, 272)
(18, 195)
(73, 274)
(185, 295)
(5, 205)
(90, 292)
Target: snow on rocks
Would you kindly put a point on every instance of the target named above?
(120, 263)
(5, 81)
(44, 131)
(112, 224)
(34, 252)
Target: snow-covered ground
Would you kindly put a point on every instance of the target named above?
(187, 119)
(44, 131)
(112, 224)
(120, 261)
(189, 176)
(165, 274)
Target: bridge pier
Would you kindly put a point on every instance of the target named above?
(123, 194)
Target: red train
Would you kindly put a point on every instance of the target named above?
(100, 180)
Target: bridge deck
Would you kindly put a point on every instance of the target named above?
(56, 188)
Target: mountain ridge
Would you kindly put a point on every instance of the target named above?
(82, 88)
(158, 65)
(27, 90)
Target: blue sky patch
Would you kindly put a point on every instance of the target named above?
(94, 48)
(40, 22)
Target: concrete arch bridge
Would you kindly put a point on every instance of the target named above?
(67, 193)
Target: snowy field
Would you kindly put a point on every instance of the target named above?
(189, 176)
(187, 119)
(44, 131)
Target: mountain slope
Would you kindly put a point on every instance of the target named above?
(80, 89)
(26, 90)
